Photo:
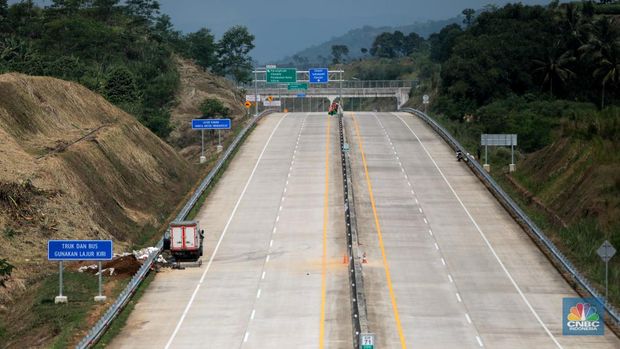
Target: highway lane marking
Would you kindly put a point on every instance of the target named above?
(245, 338)
(443, 261)
(219, 242)
(271, 242)
(468, 318)
(325, 223)
(386, 266)
(484, 237)
(479, 341)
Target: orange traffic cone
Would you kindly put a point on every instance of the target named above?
(345, 260)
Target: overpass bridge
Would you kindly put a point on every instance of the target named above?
(336, 89)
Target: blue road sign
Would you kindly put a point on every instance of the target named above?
(211, 124)
(301, 95)
(319, 75)
(79, 250)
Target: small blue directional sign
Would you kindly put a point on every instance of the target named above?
(79, 250)
(211, 124)
(319, 75)
(301, 95)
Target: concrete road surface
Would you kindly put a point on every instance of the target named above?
(447, 266)
(272, 275)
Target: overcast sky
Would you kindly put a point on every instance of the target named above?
(283, 27)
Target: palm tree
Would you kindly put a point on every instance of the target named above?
(554, 66)
(603, 49)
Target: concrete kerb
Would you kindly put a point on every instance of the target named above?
(358, 300)
(95, 333)
(557, 258)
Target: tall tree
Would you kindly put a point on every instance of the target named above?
(383, 46)
(603, 49)
(469, 16)
(233, 53)
(339, 52)
(201, 47)
(144, 11)
(4, 17)
(554, 67)
(103, 9)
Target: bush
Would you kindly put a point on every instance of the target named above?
(213, 108)
(120, 86)
(6, 269)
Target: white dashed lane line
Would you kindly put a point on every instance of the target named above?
(443, 261)
(275, 227)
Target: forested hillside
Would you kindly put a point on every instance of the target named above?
(551, 75)
(123, 50)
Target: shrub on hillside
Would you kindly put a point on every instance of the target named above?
(214, 108)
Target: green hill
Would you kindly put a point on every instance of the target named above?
(359, 38)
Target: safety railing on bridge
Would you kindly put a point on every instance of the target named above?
(349, 84)
(521, 217)
(95, 333)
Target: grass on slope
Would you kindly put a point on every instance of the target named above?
(575, 178)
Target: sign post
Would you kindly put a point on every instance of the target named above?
(606, 251)
(425, 101)
(211, 124)
(509, 140)
(78, 250)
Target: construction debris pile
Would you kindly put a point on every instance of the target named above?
(124, 264)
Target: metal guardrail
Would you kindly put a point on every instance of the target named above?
(95, 333)
(356, 282)
(521, 216)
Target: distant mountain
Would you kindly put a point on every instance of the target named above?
(359, 38)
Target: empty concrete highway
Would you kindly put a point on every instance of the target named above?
(273, 275)
(447, 266)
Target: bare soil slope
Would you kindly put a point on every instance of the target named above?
(196, 86)
(74, 166)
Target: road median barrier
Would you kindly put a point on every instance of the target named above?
(356, 281)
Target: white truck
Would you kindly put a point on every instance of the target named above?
(184, 241)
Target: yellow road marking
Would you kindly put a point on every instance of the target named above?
(386, 267)
(324, 258)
